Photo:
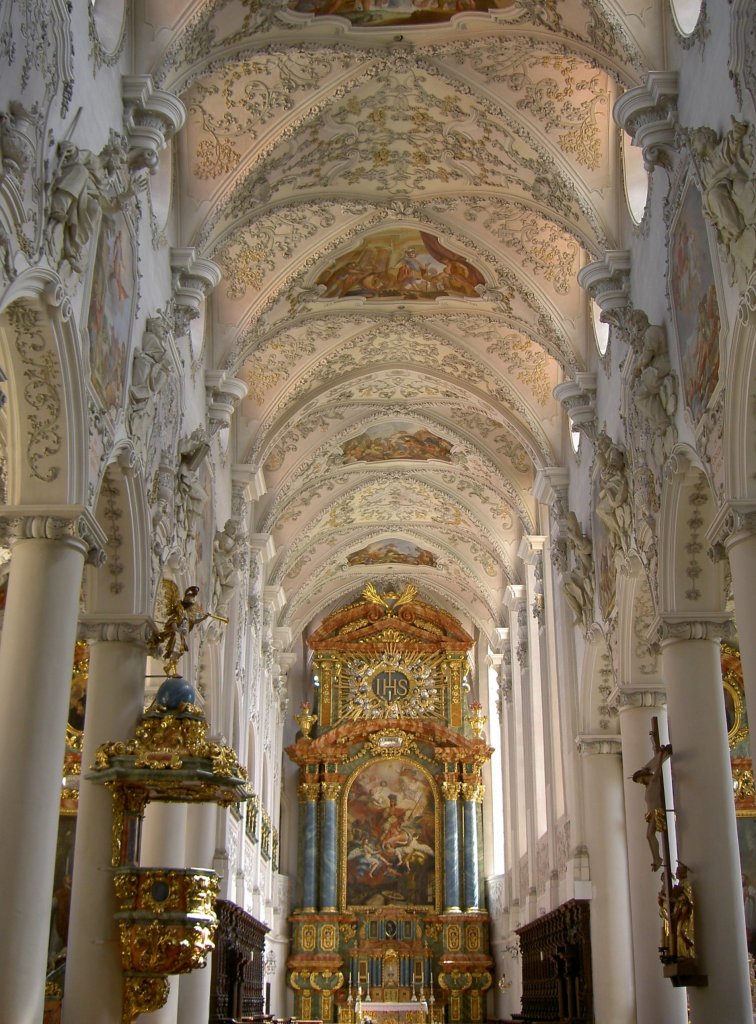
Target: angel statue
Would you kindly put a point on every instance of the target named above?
(182, 615)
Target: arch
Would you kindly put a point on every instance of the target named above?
(123, 585)
(47, 403)
(637, 661)
(597, 683)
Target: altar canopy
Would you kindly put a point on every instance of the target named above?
(390, 910)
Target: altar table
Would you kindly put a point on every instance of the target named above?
(414, 1012)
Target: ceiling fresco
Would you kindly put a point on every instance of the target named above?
(400, 194)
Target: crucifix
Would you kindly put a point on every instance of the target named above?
(677, 950)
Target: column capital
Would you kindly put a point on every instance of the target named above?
(450, 790)
(308, 791)
(151, 118)
(578, 397)
(73, 524)
(667, 629)
(550, 484)
(607, 281)
(648, 113)
(514, 595)
(598, 745)
(734, 522)
(124, 629)
(627, 698)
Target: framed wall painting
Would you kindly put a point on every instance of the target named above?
(697, 315)
(112, 307)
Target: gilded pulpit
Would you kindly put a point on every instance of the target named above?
(390, 921)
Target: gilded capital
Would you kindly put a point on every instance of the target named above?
(307, 791)
(450, 790)
(473, 792)
(330, 790)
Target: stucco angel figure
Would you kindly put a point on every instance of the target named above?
(578, 584)
(76, 194)
(225, 571)
(149, 370)
(613, 506)
(654, 383)
(727, 169)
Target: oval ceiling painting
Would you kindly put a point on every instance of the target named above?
(403, 263)
(395, 439)
(381, 13)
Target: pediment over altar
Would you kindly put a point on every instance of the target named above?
(401, 619)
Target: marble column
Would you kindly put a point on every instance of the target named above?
(308, 796)
(36, 660)
(451, 846)
(611, 937)
(328, 848)
(705, 814)
(472, 795)
(163, 846)
(657, 1001)
(115, 696)
(194, 988)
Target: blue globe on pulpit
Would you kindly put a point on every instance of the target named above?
(174, 692)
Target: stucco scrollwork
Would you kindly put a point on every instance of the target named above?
(42, 387)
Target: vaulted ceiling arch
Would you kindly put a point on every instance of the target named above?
(400, 200)
(395, 382)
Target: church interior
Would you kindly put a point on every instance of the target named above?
(378, 511)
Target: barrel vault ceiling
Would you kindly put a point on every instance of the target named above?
(400, 195)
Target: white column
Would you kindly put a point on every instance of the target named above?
(194, 988)
(611, 938)
(115, 695)
(657, 1001)
(741, 551)
(163, 846)
(36, 660)
(705, 815)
